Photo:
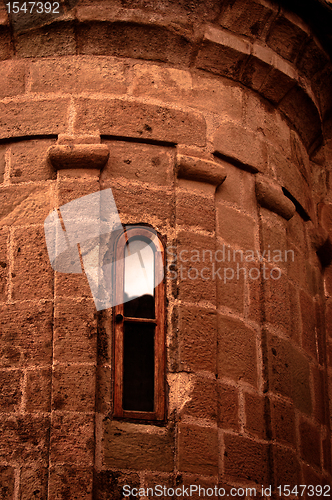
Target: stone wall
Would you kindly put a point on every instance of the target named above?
(217, 118)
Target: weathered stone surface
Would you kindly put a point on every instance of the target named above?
(29, 161)
(26, 334)
(73, 388)
(197, 169)
(228, 406)
(287, 36)
(257, 414)
(246, 459)
(12, 78)
(33, 482)
(75, 330)
(67, 481)
(195, 210)
(287, 467)
(7, 481)
(38, 390)
(73, 74)
(72, 438)
(135, 119)
(140, 162)
(196, 90)
(57, 39)
(197, 339)
(10, 390)
(240, 146)
(270, 195)
(78, 156)
(152, 450)
(25, 204)
(24, 438)
(32, 117)
(134, 40)
(110, 482)
(222, 53)
(289, 373)
(235, 228)
(283, 422)
(310, 443)
(198, 449)
(6, 47)
(237, 356)
(247, 18)
(4, 263)
(32, 277)
(302, 112)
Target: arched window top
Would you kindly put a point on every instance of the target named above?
(139, 336)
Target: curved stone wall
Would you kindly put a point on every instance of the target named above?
(215, 124)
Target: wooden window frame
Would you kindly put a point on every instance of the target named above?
(119, 320)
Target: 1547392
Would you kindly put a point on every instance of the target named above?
(302, 489)
(33, 7)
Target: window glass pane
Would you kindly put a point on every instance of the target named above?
(139, 280)
(138, 367)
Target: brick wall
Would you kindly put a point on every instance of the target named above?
(216, 119)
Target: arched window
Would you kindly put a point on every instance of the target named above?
(139, 326)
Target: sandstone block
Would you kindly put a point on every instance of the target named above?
(12, 78)
(237, 356)
(245, 459)
(75, 331)
(134, 40)
(32, 274)
(194, 210)
(240, 146)
(22, 205)
(276, 300)
(24, 439)
(7, 481)
(228, 406)
(196, 169)
(29, 161)
(312, 60)
(222, 53)
(198, 450)
(287, 467)
(57, 39)
(33, 482)
(10, 390)
(256, 408)
(286, 37)
(147, 204)
(283, 422)
(308, 315)
(141, 162)
(289, 373)
(75, 75)
(111, 482)
(130, 447)
(67, 481)
(197, 339)
(310, 443)
(72, 438)
(236, 228)
(143, 121)
(247, 18)
(302, 112)
(270, 195)
(38, 390)
(32, 117)
(6, 47)
(26, 334)
(78, 156)
(202, 402)
(192, 264)
(73, 388)
(2, 162)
